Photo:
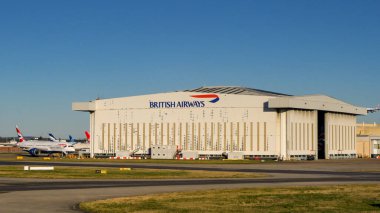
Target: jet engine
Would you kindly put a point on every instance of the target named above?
(34, 152)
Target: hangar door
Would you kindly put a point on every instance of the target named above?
(301, 135)
(340, 135)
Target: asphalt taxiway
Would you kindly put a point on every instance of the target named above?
(48, 195)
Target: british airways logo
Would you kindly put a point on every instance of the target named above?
(199, 103)
(215, 98)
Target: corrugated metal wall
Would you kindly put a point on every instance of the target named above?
(203, 136)
(301, 132)
(340, 135)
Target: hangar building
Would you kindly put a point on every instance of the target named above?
(219, 120)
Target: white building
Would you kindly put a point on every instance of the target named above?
(216, 120)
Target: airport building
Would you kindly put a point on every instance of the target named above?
(368, 140)
(215, 121)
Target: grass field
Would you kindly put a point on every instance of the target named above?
(343, 198)
(115, 173)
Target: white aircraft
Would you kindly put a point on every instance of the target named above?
(87, 136)
(71, 139)
(36, 148)
(374, 109)
(83, 146)
(54, 139)
(77, 145)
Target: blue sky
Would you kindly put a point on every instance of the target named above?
(53, 53)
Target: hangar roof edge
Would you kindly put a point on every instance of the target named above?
(235, 90)
(316, 102)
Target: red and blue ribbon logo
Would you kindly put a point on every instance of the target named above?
(214, 96)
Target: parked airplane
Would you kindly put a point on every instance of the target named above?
(54, 139)
(71, 139)
(36, 148)
(374, 109)
(87, 136)
(77, 145)
(82, 146)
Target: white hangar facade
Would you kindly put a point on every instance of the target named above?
(219, 120)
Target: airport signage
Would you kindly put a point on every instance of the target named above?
(185, 104)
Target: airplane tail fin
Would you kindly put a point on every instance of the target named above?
(20, 137)
(71, 139)
(87, 135)
(52, 138)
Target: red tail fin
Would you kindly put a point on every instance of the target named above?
(20, 137)
(87, 135)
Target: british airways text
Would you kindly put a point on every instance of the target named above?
(176, 104)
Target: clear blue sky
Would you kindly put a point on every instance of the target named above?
(53, 53)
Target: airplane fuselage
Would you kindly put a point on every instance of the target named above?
(37, 147)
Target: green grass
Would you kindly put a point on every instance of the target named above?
(115, 173)
(344, 198)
